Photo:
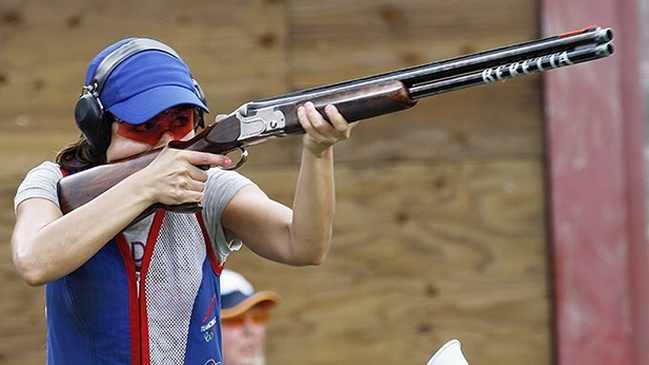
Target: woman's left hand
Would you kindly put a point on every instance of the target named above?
(320, 134)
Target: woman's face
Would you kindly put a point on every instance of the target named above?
(128, 140)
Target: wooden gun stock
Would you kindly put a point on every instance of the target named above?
(358, 99)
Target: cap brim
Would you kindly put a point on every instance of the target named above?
(265, 296)
(146, 105)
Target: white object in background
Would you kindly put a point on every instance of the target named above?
(449, 354)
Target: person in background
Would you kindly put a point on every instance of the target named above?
(244, 314)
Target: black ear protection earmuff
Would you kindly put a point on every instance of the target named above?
(89, 112)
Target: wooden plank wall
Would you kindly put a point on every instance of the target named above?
(440, 230)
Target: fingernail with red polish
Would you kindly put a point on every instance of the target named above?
(227, 161)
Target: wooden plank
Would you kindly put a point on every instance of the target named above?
(333, 42)
(422, 252)
(483, 125)
(236, 51)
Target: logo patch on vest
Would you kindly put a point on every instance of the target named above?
(212, 362)
(209, 321)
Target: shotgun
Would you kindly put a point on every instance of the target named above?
(257, 121)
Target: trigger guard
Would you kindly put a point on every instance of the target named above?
(241, 162)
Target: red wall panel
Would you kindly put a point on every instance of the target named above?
(595, 140)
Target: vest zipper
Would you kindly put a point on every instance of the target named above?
(137, 283)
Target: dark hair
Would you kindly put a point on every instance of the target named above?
(77, 155)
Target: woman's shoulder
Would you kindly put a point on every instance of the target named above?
(227, 177)
(40, 182)
(221, 186)
(47, 169)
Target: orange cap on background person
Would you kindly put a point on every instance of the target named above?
(238, 295)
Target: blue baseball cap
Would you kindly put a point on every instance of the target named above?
(145, 84)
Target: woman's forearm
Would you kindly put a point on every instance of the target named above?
(314, 205)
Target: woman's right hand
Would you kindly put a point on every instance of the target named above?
(175, 176)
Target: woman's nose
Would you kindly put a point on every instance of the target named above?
(166, 138)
